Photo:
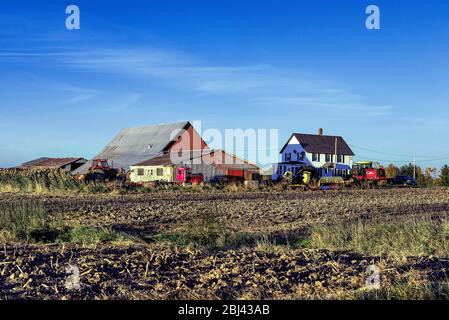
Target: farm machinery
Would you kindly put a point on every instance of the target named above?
(309, 178)
(367, 175)
(364, 175)
(100, 170)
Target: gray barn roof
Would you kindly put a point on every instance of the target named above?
(134, 145)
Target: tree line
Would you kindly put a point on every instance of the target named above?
(424, 177)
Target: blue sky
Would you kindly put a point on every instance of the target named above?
(291, 65)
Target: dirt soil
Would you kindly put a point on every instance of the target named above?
(149, 270)
(30, 272)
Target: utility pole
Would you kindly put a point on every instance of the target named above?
(335, 166)
(414, 167)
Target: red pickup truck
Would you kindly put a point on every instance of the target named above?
(185, 175)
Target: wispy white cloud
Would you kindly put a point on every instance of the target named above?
(261, 85)
(257, 85)
(78, 94)
(64, 91)
(124, 104)
(342, 103)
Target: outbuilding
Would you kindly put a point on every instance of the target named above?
(213, 165)
(68, 164)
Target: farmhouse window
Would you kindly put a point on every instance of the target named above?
(316, 157)
(340, 158)
(160, 171)
(288, 157)
(140, 172)
(328, 157)
(301, 156)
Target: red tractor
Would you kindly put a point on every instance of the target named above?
(100, 170)
(185, 175)
(368, 175)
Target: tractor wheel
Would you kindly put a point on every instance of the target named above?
(365, 185)
(356, 183)
(313, 184)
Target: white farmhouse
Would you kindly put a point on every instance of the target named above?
(330, 155)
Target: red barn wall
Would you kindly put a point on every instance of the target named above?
(189, 140)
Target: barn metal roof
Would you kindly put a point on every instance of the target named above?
(50, 162)
(134, 145)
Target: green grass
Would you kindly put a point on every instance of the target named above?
(90, 235)
(26, 220)
(407, 288)
(208, 230)
(29, 222)
(210, 239)
(400, 239)
(404, 291)
(399, 290)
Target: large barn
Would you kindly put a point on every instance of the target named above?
(134, 145)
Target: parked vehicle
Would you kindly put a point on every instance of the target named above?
(185, 175)
(218, 180)
(403, 181)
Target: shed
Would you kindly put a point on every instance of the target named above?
(210, 163)
(69, 164)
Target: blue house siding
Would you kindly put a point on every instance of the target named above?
(296, 153)
(294, 157)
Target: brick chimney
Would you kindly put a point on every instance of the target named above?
(320, 131)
